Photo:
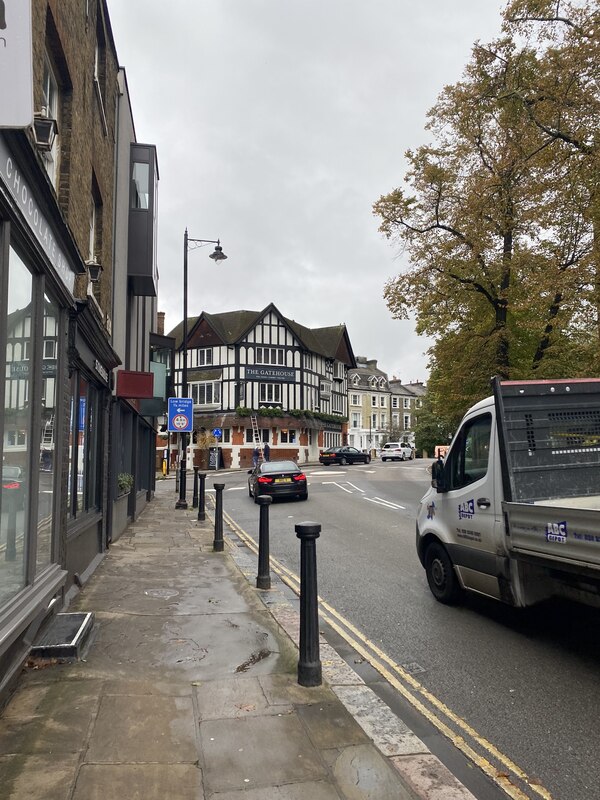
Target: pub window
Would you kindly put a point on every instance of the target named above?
(288, 436)
(205, 393)
(269, 392)
(270, 355)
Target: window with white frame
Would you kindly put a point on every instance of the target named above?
(407, 422)
(50, 346)
(269, 392)
(406, 403)
(308, 361)
(383, 419)
(205, 393)
(354, 399)
(288, 436)
(356, 419)
(339, 371)
(395, 402)
(263, 435)
(337, 402)
(373, 420)
(382, 401)
(270, 355)
(374, 400)
(50, 103)
(204, 356)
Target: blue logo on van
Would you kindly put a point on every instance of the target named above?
(556, 532)
(466, 510)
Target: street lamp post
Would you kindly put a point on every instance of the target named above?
(216, 255)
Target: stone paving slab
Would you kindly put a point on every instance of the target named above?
(143, 729)
(139, 782)
(257, 751)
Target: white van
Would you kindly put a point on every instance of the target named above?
(513, 512)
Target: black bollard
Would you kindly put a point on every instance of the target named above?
(195, 495)
(201, 497)
(218, 543)
(309, 663)
(182, 502)
(263, 579)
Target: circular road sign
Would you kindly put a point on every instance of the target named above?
(180, 421)
(217, 433)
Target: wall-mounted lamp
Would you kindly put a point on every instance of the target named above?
(45, 129)
(94, 270)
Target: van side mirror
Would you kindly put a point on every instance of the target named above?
(438, 476)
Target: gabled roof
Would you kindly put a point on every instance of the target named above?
(231, 327)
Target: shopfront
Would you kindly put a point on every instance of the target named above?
(38, 266)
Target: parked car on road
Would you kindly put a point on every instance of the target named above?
(13, 485)
(277, 479)
(396, 451)
(343, 455)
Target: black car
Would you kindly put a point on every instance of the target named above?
(13, 486)
(278, 479)
(343, 455)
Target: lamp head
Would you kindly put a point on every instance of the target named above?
(218, 254)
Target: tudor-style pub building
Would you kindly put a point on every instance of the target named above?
(290, 378)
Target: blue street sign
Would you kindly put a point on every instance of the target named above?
(217, 433)
(181, 414)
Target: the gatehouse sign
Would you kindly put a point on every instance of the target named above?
(279, 374)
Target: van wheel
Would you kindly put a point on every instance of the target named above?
(440, 575)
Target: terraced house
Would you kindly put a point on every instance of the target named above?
(261, 378)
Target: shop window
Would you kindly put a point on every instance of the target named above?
(17, 431)
(47, 441)
(263, 434)
(84, 450)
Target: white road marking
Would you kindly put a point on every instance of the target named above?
(327, 472)
(333, 483)
(356, 487)
(385, 503)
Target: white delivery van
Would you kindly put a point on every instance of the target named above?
(513, 512)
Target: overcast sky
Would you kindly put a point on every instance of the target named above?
(278, 124)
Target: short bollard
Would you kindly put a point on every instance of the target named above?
(201, 496)
(263, 579)
(195, 495)
(218, 543)
(309, 663)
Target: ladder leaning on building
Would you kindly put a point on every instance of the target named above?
(256, 438)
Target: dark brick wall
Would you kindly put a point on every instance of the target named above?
(86, 134)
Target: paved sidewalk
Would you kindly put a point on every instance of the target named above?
(188, 691)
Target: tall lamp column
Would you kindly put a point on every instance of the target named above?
(217, 255)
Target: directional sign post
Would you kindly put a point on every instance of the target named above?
(181, 414)
(181, 420)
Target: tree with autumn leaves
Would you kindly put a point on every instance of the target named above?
(500, 215)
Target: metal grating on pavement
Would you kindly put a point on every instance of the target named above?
(64, 636)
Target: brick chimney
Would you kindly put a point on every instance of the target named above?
(160, 323)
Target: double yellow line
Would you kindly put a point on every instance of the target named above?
(500, 769)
